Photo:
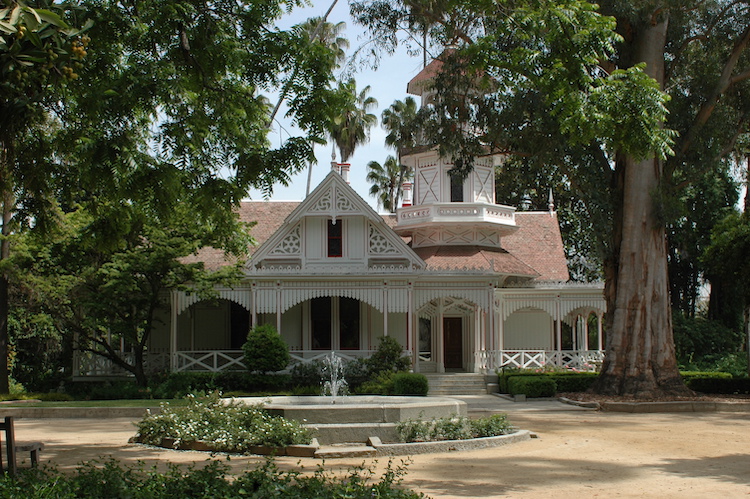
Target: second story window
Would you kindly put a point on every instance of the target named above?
(335, 245)
(457, 189)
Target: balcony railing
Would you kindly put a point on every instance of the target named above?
(414, 216)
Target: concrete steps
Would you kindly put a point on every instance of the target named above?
(456, 384)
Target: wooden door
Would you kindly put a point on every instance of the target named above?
(453, 343)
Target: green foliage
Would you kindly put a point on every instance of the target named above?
(532, 386)
(380, 384)
(226, 426)
(565, 380)
(719, 385)
(697, 338)
(110, 478)
(453, 428)
(410, 384)
(389, 356)
(177, 385)
(307, 373)
(265, 350)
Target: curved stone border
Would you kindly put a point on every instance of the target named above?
(405, 449)
(374, 448)
(652, 407)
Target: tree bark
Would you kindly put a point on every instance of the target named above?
(7, 211)
(640, 357)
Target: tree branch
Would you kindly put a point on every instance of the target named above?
(722, 85)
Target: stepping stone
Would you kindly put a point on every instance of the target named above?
(354, 451)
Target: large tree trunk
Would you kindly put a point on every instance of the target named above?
(640, 356)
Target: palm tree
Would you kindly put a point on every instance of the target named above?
(400, 121)
(351, 128)
(329, 35)
(386, 182)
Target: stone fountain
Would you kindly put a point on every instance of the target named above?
(355, 418)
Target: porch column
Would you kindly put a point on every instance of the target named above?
(478, 330)
(500, 343)
(558, 326)
(440, 346)
(586, 333)
(385, 309)
(278, 307)
(253, 308)
(173, 333)
(599, 331)
(413, 329)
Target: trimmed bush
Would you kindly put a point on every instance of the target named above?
(453, 428)
(729, 386)
(532, 386)
(410, 384)
(388, 357)
(265, 350)
(566, 381)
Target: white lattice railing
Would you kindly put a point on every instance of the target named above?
(307, 356)
(489, 360)
(90, 364)
(209, 360)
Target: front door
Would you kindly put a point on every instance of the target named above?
(453, 343)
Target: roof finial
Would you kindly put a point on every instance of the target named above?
(551, 202)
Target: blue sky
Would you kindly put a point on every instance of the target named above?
(387, 84)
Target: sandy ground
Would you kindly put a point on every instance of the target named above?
(578, 453)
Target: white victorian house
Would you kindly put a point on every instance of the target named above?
(464, 284)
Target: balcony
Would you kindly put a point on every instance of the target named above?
(486, 216)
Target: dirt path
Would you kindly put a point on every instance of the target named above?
(578, 454)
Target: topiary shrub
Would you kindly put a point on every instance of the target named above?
(388, 357)
(410, 384)
(265, 350)
(532, 386)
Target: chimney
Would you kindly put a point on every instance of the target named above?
(406, 201)
(345, 171)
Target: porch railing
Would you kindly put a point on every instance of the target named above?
(89, 364)
(585, 360)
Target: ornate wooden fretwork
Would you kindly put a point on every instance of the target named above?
(291, 244)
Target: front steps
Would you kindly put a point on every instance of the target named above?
(456, 384)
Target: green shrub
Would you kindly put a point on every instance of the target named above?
(718, 385)
(112, 479)
(382, 384)
(453, 428)
(410, 384)
(491, 426)
(356, 372)
(389, 357)
(108, 390)
(573, 382)
(307, 373)
(227, 426)
(532, 386)
(265, 350)
(179, 384)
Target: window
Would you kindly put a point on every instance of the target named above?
(335, 246)
(457, 189)
(334, 317)
(320, 323)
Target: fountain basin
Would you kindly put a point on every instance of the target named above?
(358, 417)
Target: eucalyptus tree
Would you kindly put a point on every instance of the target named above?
(587, 84)
(386, 182)
(351, 127)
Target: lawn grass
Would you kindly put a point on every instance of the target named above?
(146, 403)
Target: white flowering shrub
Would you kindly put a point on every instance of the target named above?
(453, 428)
(227, 426)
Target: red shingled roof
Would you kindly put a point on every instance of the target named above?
(473, 258)
(534, 250)
(538, 244)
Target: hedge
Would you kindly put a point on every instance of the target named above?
(532, 386)
(410, 384)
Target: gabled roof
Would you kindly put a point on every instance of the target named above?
(538, 244)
